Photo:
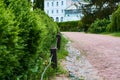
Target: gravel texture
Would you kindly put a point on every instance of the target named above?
(102, 51)
(78, 66)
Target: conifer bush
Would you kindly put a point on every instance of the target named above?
(8, 43)
(25, 39)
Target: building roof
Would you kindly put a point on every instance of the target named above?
(76, 4)
(72, 6)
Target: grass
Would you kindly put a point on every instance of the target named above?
(61, 54)
(117, 34)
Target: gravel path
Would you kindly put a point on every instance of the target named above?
(78, 66)
(102, 51)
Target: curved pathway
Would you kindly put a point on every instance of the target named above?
(102, 51)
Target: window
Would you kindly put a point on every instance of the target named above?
(47, 4)
(62, 10)
(52, 4)
(57, 19)
(56, 11)
(61, 19)
(62, 3)
(52, 11)
(57, 4)
(47, 11)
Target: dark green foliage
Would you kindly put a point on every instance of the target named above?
(99, 26)
(114, 26)
(69, 26)
(98, 9)
(87, 20)
(81, 26)
(39, 4)
(86, 0)
(25, 39)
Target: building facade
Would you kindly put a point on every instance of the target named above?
(62, 10)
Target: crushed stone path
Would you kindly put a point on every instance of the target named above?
(102, 51)
(78, 66)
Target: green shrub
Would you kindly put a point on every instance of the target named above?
(51, 29)
(80, 26)
(69, 26)
(99, 26)
(114, 26)
(25, 37)
(8, 43)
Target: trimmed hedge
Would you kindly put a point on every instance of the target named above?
(70, 26)
(25, 39)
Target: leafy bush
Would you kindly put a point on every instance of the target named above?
(81, 26)
(114, 26)
(26, 37)
(99, 26)
(69, 26)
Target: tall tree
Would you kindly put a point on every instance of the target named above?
(98, 9)
(114, 26)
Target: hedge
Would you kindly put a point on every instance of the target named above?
(25, 39)
(70, 26)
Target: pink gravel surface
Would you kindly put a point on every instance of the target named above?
(102, 51)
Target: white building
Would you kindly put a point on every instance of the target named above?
(62, 10)
(73, 12)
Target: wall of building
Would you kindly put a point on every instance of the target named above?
(56, 10)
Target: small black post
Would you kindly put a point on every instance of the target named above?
(58, 40)
(54, 57)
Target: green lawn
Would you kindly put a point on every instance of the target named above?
(62, 53)
(117, 34)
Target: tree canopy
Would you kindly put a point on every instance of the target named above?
(98, 9)
(114, 26)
